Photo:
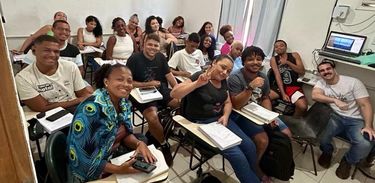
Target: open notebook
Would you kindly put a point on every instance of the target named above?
(161, 167)
(259, 114)
(220, 135)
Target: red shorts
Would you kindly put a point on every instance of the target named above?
(291, 90)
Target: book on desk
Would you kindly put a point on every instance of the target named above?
(259, 114)
(148, 94)
(161, 167)
(220, 135)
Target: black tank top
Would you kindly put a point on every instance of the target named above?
(288, 76)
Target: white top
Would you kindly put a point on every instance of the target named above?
(58, 87)
(347, 89)
(123, 48)
(183, 61)
(88, 37)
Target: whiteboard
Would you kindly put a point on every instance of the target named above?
(24, 17)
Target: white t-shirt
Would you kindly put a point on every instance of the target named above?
(77, 58)
(59, 87)
(347, 89)
(183, 61)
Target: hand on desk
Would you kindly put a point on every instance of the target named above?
(154, 83)
(145, 152)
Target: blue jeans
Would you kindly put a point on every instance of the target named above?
(242, 157)
(351, 127)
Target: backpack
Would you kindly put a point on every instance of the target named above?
(277, 161)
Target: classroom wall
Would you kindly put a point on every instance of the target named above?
(304, 27)
(25, 17)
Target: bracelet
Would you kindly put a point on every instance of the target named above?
(249, 88)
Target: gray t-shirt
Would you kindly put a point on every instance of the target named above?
(237, 83)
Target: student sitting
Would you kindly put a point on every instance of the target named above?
(206, 47)
(152, 26)
(207, 28)
(69, 52)
(119, 46)
(206, 100)
(150, 69)
(100, 125)
(135, 31)
(235, 52)
(249, 84)
(92, 35)
(177, 27)
(45, 30)
(187, 61)
(48, 83)
(226, 32)
(287, 67)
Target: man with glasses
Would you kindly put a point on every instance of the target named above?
(353, 115)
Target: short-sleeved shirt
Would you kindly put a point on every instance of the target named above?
(347, 89)
(184, 61)
(237, 83)
(69, 52)
(144, 70)
(59, 87)
(206, 101)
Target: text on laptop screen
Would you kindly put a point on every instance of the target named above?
(346, 43)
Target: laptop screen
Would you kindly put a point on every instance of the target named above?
(344, 43)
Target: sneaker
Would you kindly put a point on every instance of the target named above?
(325, 160)
(166, 150)
(343, 171)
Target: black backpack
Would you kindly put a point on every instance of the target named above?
(277, 161)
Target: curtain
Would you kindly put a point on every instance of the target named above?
(255, 22)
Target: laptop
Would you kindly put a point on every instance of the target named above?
(343, 46)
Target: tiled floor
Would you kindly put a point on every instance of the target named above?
(304, 171)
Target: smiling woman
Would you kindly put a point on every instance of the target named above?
(103, 121)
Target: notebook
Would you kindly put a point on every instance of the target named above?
(148, 94)
(259, 114)
(220, 135)
(343, 44)
(161, 167)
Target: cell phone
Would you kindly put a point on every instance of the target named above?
(57, 115)
(143, 166)
(305, 79)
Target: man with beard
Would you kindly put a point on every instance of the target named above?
(353, 115)
(249, 84)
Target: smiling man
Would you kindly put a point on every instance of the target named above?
(150, 69)
(249, 84)
(353, 115)
(48, 83)
(69, 52)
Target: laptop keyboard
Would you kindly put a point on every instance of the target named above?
(339, 57)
